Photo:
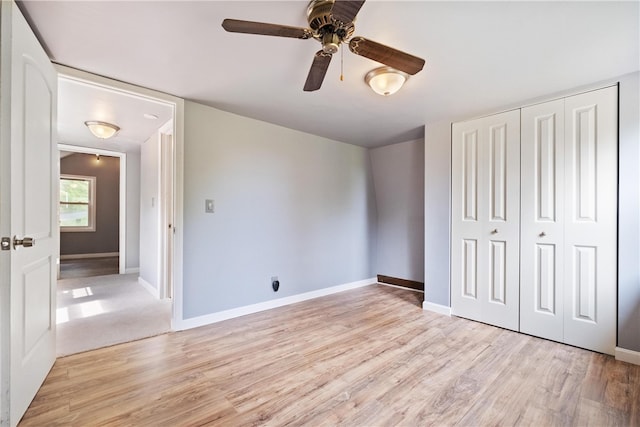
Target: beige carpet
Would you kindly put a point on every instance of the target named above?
(95, 312)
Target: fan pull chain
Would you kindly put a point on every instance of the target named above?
(341, 63)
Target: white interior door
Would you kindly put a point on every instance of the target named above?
(591, 161)
(485, 219)
(542, 220)
(29, 174)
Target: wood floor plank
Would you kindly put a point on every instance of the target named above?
(366, 357)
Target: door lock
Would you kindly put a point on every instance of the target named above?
(27, 242)
(5, 244)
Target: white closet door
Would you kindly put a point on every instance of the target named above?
(542, 220)
(591, 144)
(485, 219)
(467, 184)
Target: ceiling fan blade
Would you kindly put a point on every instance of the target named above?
(317, 72)
(262, 28)
(346, 10)
(386, 55)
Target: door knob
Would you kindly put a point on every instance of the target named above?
(27, 242)
(494, 231)
(542, 234)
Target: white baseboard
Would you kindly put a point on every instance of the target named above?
(132, 270)
(628, 356)
(208, 319)
(97, 255)
(436, 308)
(149, 287)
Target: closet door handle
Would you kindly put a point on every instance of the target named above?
(542, 234)
(494, 231)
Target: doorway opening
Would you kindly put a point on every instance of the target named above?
(93, 235)
(137, 301)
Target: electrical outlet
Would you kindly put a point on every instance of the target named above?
(275, 283)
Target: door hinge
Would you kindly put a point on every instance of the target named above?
(5, 244)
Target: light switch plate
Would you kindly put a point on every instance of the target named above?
(208, 206)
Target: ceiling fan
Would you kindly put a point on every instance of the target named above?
(331, 23)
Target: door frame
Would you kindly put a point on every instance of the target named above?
(122, 194)
(167, 191)
(177, 104)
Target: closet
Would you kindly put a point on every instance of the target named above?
(534, 220)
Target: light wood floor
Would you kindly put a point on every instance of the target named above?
(367, 357)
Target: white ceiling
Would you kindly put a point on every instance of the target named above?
(79, 102)
(481, 56)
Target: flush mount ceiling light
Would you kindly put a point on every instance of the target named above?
(385, 80)
(102, 130)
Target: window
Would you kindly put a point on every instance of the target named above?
(77, 203)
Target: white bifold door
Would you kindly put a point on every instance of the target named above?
(485, 219)
(534, 220)
(568, 220)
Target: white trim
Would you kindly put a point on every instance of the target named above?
(96, 255)
(207, 319)
(628, 356)
(91, 204)
(88, 150)
(132, 270)
(122, 235)
(436, 308)
(149, 287)
(178, 211)
(166, 168)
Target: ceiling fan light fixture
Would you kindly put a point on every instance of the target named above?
(385, 81)
(102, 130)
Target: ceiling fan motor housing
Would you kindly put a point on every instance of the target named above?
(329, 31)
(319, 14)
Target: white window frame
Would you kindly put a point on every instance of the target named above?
(92, 204)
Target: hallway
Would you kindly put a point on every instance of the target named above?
(100, 311)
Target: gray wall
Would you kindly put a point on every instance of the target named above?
(149, 209)
(287, 204)
(106, 237)
(132, 248)
(437, 190)
(437, 217)
(398, 176)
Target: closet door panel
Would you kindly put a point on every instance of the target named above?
(500, 305)
(485, 211)
(470, 175)
(542, 234)
(591, 220)
(498, 172)
(466, 224)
